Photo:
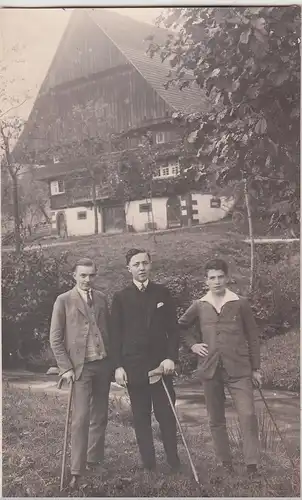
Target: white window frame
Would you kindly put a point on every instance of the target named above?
(172, 169)
(55, 188)
(160, 137)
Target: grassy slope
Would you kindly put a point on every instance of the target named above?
(33, 428)
(175, 253)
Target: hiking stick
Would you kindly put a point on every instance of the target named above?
(158, 372)
(276, 426)
(66, 430)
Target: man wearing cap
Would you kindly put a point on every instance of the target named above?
(79, 338)
(145, 336)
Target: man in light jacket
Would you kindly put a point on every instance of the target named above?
(79, 338)
(228, 348)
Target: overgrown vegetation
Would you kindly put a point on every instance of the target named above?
(31, 283)
(33, 429)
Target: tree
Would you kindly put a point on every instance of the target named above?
(10, 129)
(86, 141)
(247, 60)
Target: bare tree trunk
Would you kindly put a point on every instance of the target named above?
(251, 233)
(95, 207)
(16, 215)
(13, 174)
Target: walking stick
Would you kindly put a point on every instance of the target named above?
(158, 372)
(66, 430)
(276, 426)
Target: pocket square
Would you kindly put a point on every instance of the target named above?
(160, 304)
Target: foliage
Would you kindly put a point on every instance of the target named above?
(276, 297)
(280, 361)
(247, 60)
(30, 285)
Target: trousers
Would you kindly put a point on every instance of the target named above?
(241, 390)
(142, 397)
(90, 414)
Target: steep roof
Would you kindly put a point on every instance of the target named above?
(128, 36)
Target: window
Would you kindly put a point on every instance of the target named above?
(82, 215)
(215, 202)
(57, 187)
(160, 137)
(145, 207)
(170, 170)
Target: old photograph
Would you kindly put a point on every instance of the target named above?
(150, 242)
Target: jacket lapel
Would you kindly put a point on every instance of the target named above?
(151, 303)
(78, 301)
(97, 304)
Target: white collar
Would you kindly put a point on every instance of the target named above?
(139, 284)
(83, 293)
(229, 296)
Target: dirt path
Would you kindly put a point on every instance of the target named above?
(190, 404)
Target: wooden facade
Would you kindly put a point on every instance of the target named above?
(101, 83)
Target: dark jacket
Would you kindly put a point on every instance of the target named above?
(144, 330)
(70, 326)
(232, 336)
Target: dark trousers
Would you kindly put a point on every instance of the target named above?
(241, 390)
(142, 397)
(90, 414)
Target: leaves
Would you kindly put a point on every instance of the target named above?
(261, 126)
(245, 35)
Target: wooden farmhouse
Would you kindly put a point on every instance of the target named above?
(102, 84)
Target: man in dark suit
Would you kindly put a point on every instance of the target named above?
(228, 348)
(144, 336)
(79, 338)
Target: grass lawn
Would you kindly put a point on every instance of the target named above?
(175, 253)
(33, 429)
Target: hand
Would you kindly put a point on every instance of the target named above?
(257, 378)
(200, 349)
(68, 376)
(121, 376)
(168, 366)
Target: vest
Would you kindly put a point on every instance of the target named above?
(95, 348)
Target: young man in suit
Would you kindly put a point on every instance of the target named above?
(228, 348)
(79, 338)
(145, 334)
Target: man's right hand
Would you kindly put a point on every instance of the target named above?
(68, 376)
(200, 349)
(121, 376)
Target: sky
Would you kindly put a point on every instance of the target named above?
(28, 41)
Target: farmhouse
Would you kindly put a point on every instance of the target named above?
(87, 132)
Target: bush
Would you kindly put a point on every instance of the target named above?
(30, 285)
(280, 361)
(276, 296)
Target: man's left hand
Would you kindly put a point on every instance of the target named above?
(168, 366)
(257, 378)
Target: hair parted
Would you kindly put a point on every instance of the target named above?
(135, 251)
(217, 265)
(84, 261)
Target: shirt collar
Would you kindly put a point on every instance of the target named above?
(138, 284)
(229, 296)
(83, 293)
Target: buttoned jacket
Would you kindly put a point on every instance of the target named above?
(70, 325)
(231, 335)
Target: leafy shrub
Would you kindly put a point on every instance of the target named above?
(276, 296)
(280, 361)
(30, 285)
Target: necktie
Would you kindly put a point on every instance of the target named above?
(142, 288)
(89, 299)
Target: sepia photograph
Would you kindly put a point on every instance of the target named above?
(150, 244)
